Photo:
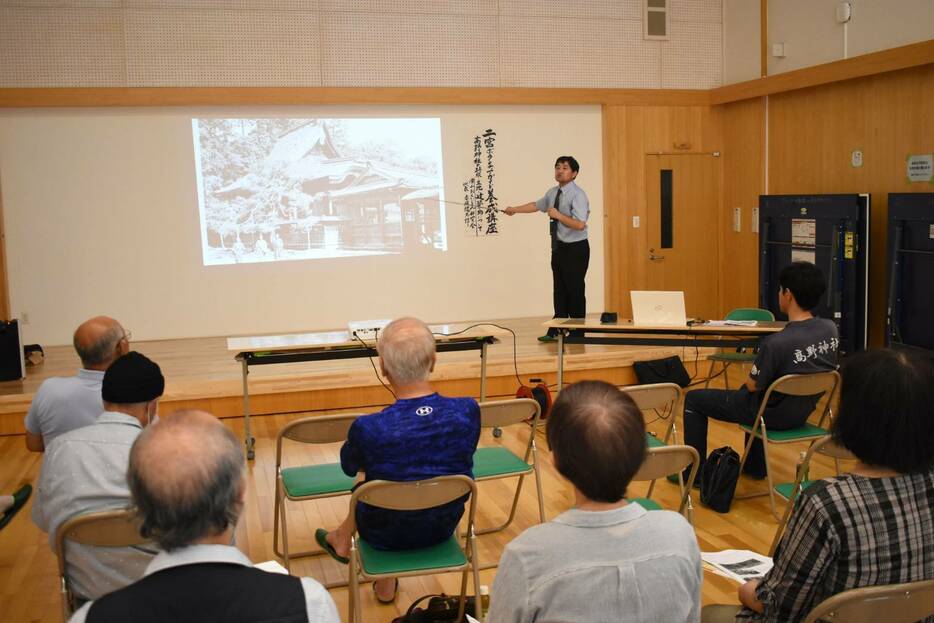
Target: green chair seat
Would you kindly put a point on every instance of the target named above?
(785, 488)
(647, 504)
(654, 442)
(446, 554)
(732, 357)
(794, 434)
(496, 461)
(316, 480)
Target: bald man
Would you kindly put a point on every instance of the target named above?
(420, 436)
(186, 477)
(66, 403)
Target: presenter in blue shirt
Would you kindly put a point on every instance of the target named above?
(568, 208)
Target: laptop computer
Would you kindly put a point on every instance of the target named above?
(658, 309)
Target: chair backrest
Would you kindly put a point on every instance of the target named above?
(750, 313)
(315, 429)
(825, 383)
(415, 495)
(894, 603)
(108, 528)
(661, 396)
(666, 460)
(500, 413)
(828, 447)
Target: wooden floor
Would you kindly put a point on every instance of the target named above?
(29, 586)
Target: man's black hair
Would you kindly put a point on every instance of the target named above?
(886, 413)
(571, 162)
(597, 436)
(806, 282)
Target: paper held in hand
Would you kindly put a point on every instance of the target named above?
(739, 565)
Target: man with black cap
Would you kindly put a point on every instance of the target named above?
(85, 470)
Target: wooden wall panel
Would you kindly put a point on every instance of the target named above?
(812, 132)
(743, 182)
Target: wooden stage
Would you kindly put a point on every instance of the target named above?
(202, 373)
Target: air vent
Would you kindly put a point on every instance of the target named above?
(655, 19)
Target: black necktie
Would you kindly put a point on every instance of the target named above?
(554, 223)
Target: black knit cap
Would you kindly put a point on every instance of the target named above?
(132, 378)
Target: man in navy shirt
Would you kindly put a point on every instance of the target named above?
(806, 345)
(421, 435)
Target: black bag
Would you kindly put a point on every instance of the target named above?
(667, 370)
(718, 479)
(441, 608)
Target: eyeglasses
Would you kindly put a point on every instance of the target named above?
(127, 335)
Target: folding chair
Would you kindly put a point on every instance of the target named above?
(367, 563)
(740, 356)
(658, 463)
(308, 482)
(824, 383)
(665, 400)
(790, 491)
(491, 463)
(109, 528)
(892, 603)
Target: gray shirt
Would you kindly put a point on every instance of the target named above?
(625, 564)
(573, 203)
(85, 470)
(64, 403)
(318, 603)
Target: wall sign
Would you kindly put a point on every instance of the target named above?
(920, 167)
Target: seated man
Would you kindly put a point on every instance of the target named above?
(186, 477)
(806, 345)
(66, 403)
(85, 470)
(421, 435)
(875, 524)
(605, 559)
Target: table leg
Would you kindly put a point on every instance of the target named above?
(483, 371)
(560, 360)
(248, 439)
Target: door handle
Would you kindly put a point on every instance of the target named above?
(652, 255)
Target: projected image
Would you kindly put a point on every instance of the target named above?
(292, 189)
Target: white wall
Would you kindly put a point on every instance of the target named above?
(812, 36)
(101, 216)
(741, 26)
(357, 43)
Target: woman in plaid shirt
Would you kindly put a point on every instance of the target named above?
(873, 525)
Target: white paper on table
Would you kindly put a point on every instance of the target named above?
(272, 566)
(739, 565)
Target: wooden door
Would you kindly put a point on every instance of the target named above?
(682, 208)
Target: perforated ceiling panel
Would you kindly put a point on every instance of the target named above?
(173, 47)
(581, 9)
(409, 50)
(697, 11)
(691, 58)
(61, 47)
(434, 7)
(467, 43)
(564, 53)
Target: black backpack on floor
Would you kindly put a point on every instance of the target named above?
(718, 479)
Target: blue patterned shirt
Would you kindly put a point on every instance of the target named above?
(412, 439)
